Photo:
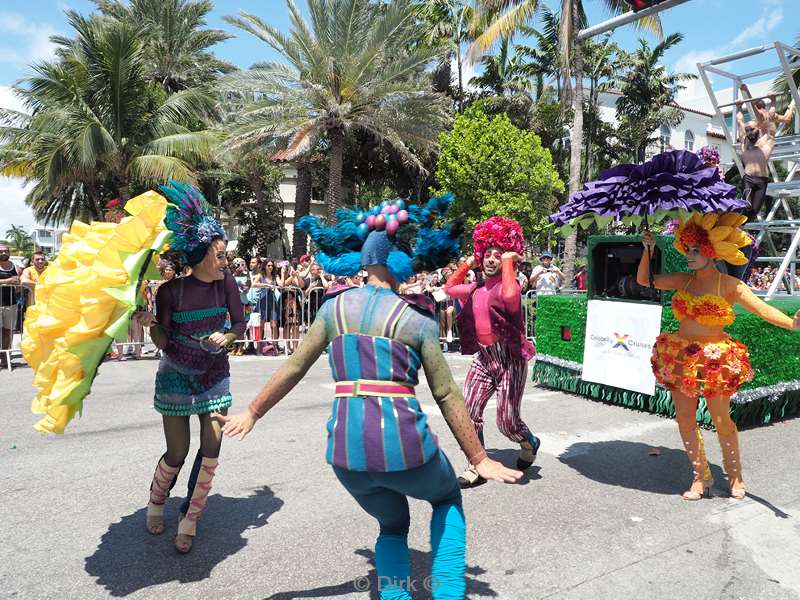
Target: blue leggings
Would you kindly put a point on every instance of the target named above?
(385, 497)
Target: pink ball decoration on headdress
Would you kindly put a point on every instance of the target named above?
(502, 232)
(402, 216)
(392, 227)
(380, 222)
(370, 221)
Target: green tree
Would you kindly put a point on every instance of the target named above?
(510, 16)
(449, 29)
(493, 168)
(176, 41)
(98, 128)
(353, 69)
(648, 95)
(19, 239)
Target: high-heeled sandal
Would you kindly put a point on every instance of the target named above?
(693, 495)
(187, 524)
(732, 461)
(695, 450)
(163, 479)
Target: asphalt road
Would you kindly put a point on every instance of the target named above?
(598, 517)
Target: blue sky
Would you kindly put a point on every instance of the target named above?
(712, 28)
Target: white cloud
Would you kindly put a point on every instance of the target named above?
(34, 39)
(687, 63)
(768, 21)
(771, 17)
(13, 210)
(9, 100)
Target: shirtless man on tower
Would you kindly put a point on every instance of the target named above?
(758, 142)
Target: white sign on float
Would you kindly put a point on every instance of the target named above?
(619, 342)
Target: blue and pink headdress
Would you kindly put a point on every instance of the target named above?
(395, 234)
(193, 229)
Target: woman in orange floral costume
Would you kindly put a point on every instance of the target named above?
(700, 358)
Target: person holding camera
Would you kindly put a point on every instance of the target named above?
(547, 278)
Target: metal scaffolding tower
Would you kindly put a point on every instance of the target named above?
(779, 237)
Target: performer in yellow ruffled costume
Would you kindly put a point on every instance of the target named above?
(700, 358)
(85, 300)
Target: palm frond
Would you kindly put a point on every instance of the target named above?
(156, 169)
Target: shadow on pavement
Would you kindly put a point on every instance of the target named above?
(630, 465)
(368, 582)
(129, 559)
(767, 504)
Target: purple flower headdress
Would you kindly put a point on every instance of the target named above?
(709, 155)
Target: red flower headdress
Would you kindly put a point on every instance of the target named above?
(502, 232)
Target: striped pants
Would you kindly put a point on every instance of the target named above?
(494, 370)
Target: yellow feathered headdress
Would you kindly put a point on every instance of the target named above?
(716, 234)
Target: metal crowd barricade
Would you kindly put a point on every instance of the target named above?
(529, 302)
(447, 335)
(292, 301)
(14, 301)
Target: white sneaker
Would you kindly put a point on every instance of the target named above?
(449, 337)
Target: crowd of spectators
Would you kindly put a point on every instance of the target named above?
(761, 278)
(281, 297)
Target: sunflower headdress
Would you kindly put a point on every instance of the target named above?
(718, 235)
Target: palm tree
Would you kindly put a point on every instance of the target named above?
(648, 93)
(511, 16)
(544, 60)
(19, 239)
(97, 127)
(449, 29)
(781, 86)
(175, 40)
(353, 69)
(503, 72)
(601, 65)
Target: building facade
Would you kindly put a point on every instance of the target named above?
(698, 128)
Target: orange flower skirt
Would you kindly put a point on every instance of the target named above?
(708, 368)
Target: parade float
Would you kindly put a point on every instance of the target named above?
(598, 345)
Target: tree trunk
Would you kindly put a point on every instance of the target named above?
(94, 196)
(460, 80)
(570, 243)
(587, 168)
(334, 192)
(257, 185)
(302, 207)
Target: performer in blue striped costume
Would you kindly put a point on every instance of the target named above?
(379, 442)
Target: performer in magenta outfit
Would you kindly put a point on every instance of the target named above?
(492, 327)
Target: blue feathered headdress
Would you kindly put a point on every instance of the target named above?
(394, 234)
(193, 229)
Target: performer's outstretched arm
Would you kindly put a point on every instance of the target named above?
(455, 288)
(281, 383)
(451, 402)
(667, 281)
(746, 297)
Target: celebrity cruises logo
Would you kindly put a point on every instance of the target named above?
(621, 341)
